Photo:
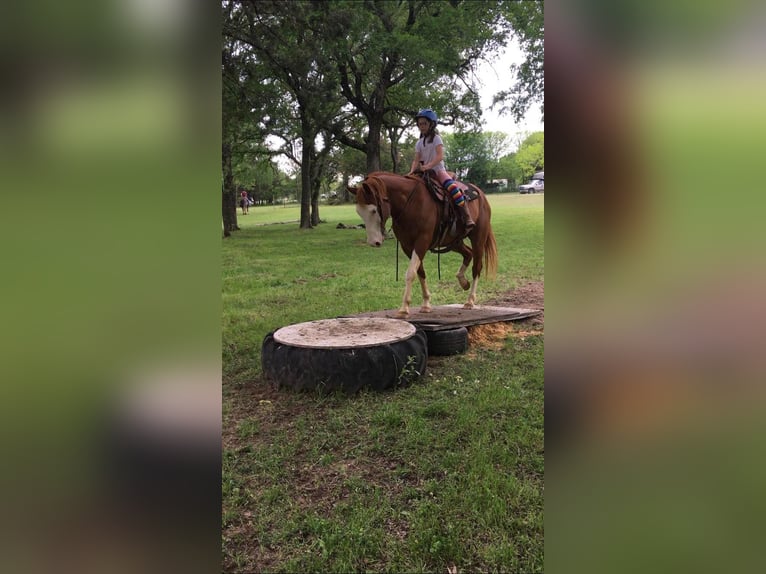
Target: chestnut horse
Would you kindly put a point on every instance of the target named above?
(415, 217)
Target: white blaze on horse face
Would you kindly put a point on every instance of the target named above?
(369, 214)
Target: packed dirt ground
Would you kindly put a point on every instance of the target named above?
(493, 335)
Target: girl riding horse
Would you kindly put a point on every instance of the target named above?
(415, 217)
(429, 155)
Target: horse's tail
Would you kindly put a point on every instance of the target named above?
(489, 244)
(490, 253)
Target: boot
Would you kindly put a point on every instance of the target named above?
(466, 215)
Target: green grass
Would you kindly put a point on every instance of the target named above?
(448, 471)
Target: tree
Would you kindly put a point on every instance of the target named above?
(525, 21)
(508, 169)
(233, 125)
(288, 38)
(474, 155)
(247, 90)
(397, 57)
(262, 176)
(531, 155)
(496, 145)
(320, 160)
(350, 162)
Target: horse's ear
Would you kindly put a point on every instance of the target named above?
(351, 190)
(368, 193)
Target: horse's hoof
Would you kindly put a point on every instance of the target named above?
(425, 309)
(464, 283)
(468, 306)
(401, 314)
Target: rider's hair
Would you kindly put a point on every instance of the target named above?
(432, 131)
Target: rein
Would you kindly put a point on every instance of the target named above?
(439, 233)
(379, 205)
(406, 203)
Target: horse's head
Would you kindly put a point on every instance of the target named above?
(372, 206)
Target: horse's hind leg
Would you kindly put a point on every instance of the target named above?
(478, 265)
(472, 295)
(467, 254)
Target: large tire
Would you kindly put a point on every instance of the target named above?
(379, 367)
(447, 341)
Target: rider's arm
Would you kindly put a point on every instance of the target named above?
(415, 163)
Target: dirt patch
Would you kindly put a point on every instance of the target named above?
(491, 336)
(528, 296)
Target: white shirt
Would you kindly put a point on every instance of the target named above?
(427, 151)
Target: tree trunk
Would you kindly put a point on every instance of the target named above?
(228, 193)
(344, 194)
(315, 207)
(318, 164)
(394, 156)
(394, 133)
(316, 186)
(308, 144)
(373, 145)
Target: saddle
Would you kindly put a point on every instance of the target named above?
(448, 215)
(441, 195)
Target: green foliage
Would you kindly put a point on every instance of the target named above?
(395, 56)
(474, 156)
(531, 155)
(287, 41)
(508, 169)
(525, 21)
(518, 167)
(465, 152)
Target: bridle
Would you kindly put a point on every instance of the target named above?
(379, 205)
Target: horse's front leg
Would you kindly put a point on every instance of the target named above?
(426, 307)
(409, 277)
